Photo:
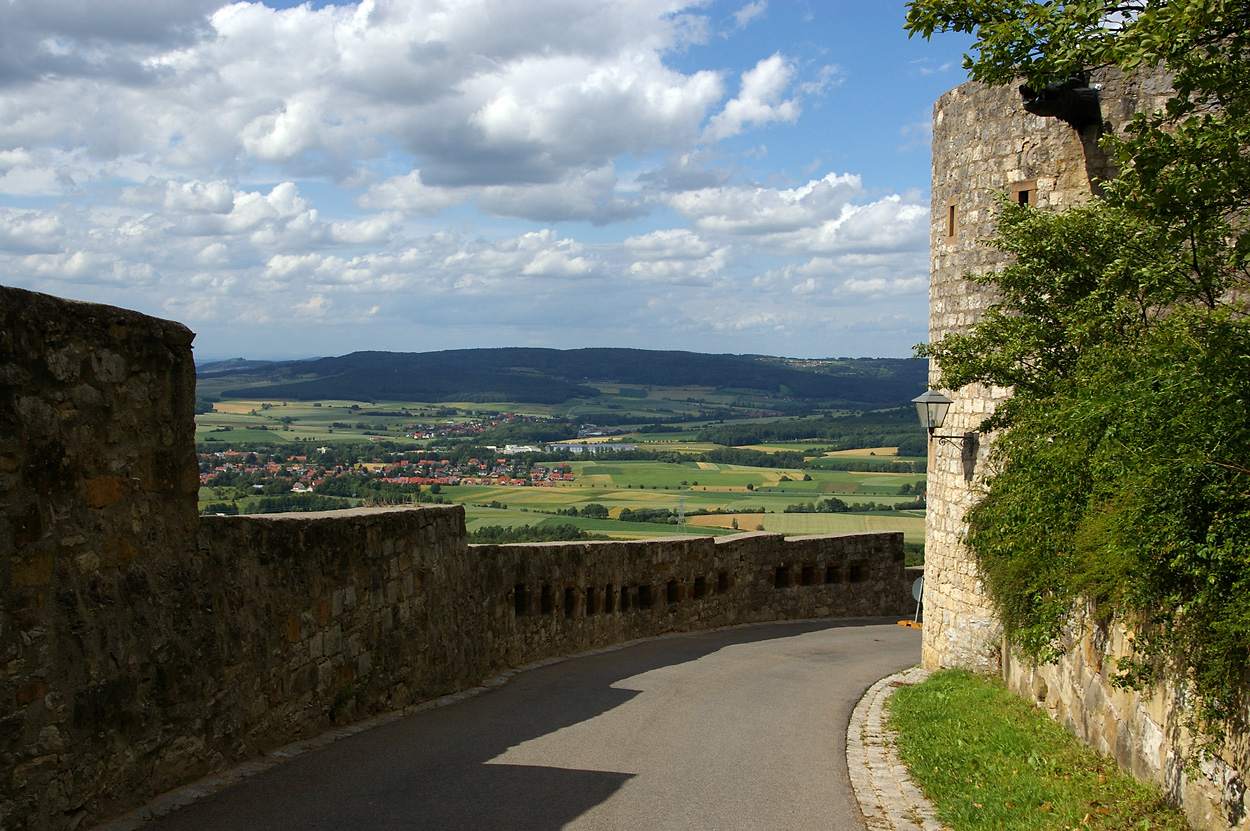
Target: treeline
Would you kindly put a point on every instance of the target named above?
(281, 504)
(754, 458)
(591, 510)
(833, 505)
(665, 516)
(864, 466)
(500, 535)
(896, 427)
(527, 433)
(373, 489)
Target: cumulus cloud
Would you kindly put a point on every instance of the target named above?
(487, 93)
(881, 286)
(759, 101)
(30, 232)
(668, 244)
(234, 164)
(83, 38)
(198, 197)
(411, 195)
(760, 210)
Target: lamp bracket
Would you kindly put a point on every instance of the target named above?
(964, 442)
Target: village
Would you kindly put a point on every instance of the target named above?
(285, 472)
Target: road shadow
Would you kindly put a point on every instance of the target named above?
(432, 770)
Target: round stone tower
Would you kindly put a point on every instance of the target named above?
(984, 144)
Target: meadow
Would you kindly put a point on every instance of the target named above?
(698, 486)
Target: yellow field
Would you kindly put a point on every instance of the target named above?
(865, 451)
(235, 407)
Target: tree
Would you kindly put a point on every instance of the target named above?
(1121, 477)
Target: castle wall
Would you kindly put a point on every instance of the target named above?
(984, 143)
(145, 647)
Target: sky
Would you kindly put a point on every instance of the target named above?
(290, 181)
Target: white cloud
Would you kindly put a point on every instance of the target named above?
(30, 232)
(749, 12)
(410, 195)
(492, 92)
(389, 160)
(881, 286)
(669, 244)
(198, 197)
(317, 307)
(828, 77)
(760, 210)
(759, 100)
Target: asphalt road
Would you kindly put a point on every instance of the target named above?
(738, 729)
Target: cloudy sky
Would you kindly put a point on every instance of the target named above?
(292, 181)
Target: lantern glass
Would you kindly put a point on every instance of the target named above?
(932, 407)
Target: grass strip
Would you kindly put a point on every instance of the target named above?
(989, 760)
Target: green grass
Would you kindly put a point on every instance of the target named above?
(989, 760)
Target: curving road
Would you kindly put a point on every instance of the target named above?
(737, 729)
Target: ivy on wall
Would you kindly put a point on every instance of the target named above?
(1121, 477)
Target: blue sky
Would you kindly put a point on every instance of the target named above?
(302, 180)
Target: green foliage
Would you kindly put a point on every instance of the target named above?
(663, 516)
(754, 458)
(1121, 479)
(881, 428)
(832, 505)
(499, 535)
(989, 760)
(297, 502)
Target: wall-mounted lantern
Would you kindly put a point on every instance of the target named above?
(933, 407)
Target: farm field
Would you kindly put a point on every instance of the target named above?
(754, 496)
(721, 488)
(911, 523)
(277, 421)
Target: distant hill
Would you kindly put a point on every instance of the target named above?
(550, 376)
(232, 365)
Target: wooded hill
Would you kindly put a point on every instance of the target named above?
(551, 376)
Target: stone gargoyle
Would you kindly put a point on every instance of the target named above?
(1073, 101)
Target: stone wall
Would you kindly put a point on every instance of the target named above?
(98, 485)
(985, 145)
(1144, 733)
(145, 647)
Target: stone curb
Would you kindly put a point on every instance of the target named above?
(888, 798)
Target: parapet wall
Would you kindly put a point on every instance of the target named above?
(145, 647)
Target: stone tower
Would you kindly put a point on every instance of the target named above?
(985, 143)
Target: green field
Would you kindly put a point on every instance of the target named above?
(241, 420)
(635, 485)
(615, 484)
